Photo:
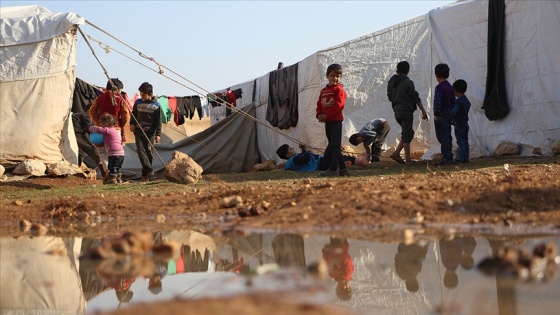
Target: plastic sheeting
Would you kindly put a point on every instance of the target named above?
(457, 35)
(227, 147)
(34, 23)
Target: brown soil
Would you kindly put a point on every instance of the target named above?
(491, 191)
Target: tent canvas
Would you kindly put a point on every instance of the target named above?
(457, 35)
(229, 146)
(37, 73)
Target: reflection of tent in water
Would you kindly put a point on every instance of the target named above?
(197, 250)
(200, 252)
(33, 282)
(378, 289)
(255, 250)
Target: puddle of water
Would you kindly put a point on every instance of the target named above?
(384, 278)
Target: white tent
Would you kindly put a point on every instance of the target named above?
(457, 35)
(37, 75)
(40, 62)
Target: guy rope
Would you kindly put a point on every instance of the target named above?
(198, 89)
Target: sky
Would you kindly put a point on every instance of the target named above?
(212, 45)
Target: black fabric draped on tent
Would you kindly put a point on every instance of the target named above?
(495, 102)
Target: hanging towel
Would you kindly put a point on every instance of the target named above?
(165, 111)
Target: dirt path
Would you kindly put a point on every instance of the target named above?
(496, 192)
(485, 191)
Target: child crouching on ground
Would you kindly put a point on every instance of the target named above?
(113, 146)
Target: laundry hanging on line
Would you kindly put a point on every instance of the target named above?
(181, 107)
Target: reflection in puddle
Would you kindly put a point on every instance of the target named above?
(438, 276)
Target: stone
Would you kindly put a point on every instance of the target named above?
(231, 201)
(63, 168)
(555, 147)
(543, 148)
(38, 229)
(30, 167)
(183, 169)
(2, 170)
(506, 148)
(537, 151)
(436, 158)
(476, 152)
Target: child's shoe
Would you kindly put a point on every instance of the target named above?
(343, 172)
(329, 173)
(447, 162)
(149, 177)
(119, 178)
(111, 180)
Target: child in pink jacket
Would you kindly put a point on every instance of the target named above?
(113, 146)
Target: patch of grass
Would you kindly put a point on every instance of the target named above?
(56, 188)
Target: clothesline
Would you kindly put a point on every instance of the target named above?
(160, 71)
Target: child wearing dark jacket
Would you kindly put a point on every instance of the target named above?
(404, 99)
(444, 97)
(460, 121)
(146, 126)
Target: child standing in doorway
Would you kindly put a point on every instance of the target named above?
(329, 111)
(113, 146)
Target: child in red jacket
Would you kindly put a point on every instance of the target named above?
(329, 111)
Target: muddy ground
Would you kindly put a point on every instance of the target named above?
(500, 192)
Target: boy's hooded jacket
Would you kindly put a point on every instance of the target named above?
(402, 93)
